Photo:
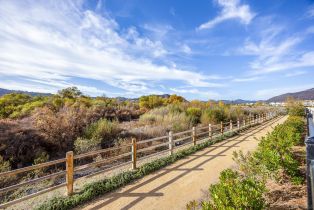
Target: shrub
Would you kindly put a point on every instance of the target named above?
(151, 101)
(274, 157)
(296, 122)
(61, 128)
(295, 108)
(194, 114)
(4, 166)
(168, 118)
(9, 102)
(41, 158)
(26, 109)
(236, 192)
(97, 134)
(213, 115)
(174, 99)
(82, 145)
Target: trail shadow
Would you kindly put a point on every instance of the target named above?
(154, 192)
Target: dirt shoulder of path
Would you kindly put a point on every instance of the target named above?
(187, 179)
(286, 196)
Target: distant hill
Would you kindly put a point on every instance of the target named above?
(302, 95)
(5, 91)
(238, 101)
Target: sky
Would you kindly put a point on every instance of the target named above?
(204, 49)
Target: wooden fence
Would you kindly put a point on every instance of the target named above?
(132, 154)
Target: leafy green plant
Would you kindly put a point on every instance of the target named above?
(9, 103)
(95, 135)
(41, 158)
(274, 156)
(194, 114)
(235, 191)
(213, 115)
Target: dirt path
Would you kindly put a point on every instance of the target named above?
(188, 179)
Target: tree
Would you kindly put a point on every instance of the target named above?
(151, 101)
(70, 92)
(175, 99)
(197, 104)
(295, 108)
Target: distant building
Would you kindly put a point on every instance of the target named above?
(308, 102)
(277, 103)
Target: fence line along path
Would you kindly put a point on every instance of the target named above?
(185, 180)
(66, 171)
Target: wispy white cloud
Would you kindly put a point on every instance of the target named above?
(246, 79)
(295, 73)
(231, 9)
(186, 49)
(203, 94)
(275, 53)
(57, 41)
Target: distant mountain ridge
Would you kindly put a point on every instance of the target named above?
(5, 91)
(238, 101)
(301, 95)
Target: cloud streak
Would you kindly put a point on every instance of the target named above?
(275, 53)
(231, 9)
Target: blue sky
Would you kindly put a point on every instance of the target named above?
(204, 49)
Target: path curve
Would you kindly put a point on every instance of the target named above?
(188, 179)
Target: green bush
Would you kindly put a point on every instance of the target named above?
(234, 191)
(213, 115)
(151, 101)
(194, 114)
(295, 108)
(82, 145)
(26, 109)
(10, 102)
(274, 156)
(40, 158)
(4, 166)
(95, 135)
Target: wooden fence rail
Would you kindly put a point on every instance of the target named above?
(171, 142)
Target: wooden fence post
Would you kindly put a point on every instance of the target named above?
(210, 133)
(170, 143)
(238, 124)
(133, 154)
(69, 172)
(221, 128)
(230, 124)
(194, 135)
